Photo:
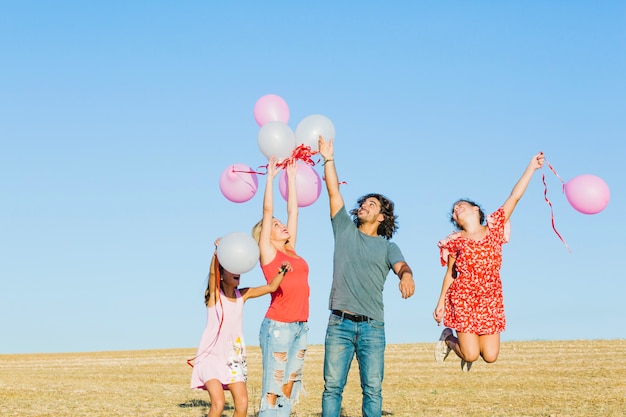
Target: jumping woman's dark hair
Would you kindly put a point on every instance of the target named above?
(470, 202)
(389, 225)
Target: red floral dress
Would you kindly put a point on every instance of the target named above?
(474, 301)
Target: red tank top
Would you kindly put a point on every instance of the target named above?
(290, 302)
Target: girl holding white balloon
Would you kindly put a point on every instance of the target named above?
(471, 300)
(220, 363)
(283, 333)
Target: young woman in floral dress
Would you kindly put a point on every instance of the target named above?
(471, 299)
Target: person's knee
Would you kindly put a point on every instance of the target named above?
(490, 357)
(217, 405)
(469, 353)
(271, 398)
(241, 404)
(288, 387)
(490, 351)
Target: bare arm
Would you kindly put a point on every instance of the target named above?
(267, 250)
(292, 203)
(212, 294)
(447, 281)
(327, 150)
(519, 189)
(254, 292)
(406, 285)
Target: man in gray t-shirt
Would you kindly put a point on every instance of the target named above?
(362, 260)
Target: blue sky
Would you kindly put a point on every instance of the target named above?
(117, 119)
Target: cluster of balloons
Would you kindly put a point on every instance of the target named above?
(238, 252)
(587, 193)
(239, 183)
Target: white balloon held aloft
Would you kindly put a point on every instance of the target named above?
(311, 128)
(238, 252)
(276, 139)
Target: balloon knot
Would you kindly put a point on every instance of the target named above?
(301, 153)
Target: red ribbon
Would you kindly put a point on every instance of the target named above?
(545, 196)
(251, 172)
(302, 153)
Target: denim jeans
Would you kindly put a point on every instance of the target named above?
(283, 346)
(344, 339)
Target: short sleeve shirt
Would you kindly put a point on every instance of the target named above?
(361, 264)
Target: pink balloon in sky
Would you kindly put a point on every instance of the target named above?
(271, 108)
(308, 184)
(238, 183)
(587, 193)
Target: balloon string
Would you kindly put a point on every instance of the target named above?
(545, 196)
(220, 317)
(340, 182)
(301, 152)
(251, 172)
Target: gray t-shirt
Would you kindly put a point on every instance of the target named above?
(361, 264)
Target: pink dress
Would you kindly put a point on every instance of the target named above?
(221, 354)
(474, 301)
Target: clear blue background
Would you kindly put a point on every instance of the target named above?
(117, 119)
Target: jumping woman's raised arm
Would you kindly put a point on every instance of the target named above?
(535, 163)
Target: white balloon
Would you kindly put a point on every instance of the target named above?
(311, 128)
(238, 252)
(276, 139)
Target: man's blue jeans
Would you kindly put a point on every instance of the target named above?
(344, 339)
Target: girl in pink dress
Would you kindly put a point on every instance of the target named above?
(471, 299)
(220, 361)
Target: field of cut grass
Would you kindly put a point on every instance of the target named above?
(543, 378)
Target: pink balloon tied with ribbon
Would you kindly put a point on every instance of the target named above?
(587, 194)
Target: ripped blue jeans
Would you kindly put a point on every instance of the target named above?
(283, 346)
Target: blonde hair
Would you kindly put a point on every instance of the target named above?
(256, 231)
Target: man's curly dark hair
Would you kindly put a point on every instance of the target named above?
(387, 227)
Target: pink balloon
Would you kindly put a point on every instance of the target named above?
(271, 108)
(308, 184)
(587, 193)
(238, 183)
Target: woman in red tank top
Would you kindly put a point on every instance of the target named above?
(283, 333)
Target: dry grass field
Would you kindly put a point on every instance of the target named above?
(546, 378)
